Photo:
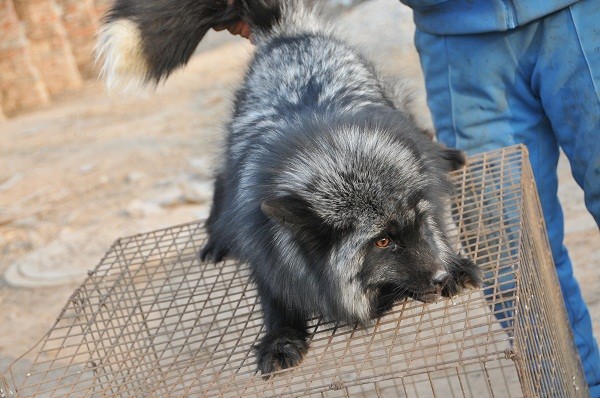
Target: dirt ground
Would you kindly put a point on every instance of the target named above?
(95, 167)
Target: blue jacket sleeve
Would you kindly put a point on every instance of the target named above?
(453, 17)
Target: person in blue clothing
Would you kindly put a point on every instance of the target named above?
(503, 72)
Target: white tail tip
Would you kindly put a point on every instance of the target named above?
(119, 50)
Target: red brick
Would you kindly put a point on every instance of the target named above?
(81, 23)
(102, 6)
(21, 86)
(2, 117)
(51, 51)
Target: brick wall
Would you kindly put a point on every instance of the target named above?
(2, 117)
(101, 6)
(21, 86)
(81, 22)
(51, 50)
(45, 49)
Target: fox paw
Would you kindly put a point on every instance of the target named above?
(282, 349)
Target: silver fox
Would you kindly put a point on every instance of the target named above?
(329, 191)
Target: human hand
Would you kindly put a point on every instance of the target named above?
(236, 27)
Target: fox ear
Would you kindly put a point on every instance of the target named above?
(455, 159)
(287, 210)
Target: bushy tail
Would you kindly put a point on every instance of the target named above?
(144, 41)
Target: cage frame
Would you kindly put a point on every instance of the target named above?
(519, 298)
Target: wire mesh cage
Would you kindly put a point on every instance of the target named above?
(152, 321)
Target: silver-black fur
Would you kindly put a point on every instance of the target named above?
(328, 190)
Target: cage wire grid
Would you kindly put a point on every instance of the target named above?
(152, 321)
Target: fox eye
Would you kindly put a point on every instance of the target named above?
(382, 243)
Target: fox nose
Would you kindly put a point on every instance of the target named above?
(440, 278)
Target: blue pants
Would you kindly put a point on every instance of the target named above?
(538, 84)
